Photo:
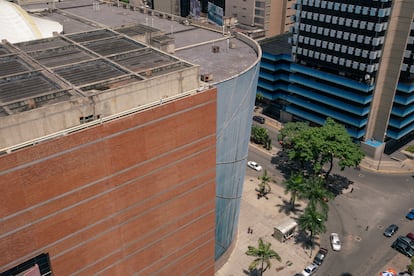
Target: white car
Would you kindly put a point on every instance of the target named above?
(335, 242)
(254, 166)
(309, 270)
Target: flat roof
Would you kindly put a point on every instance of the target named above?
(95, 52)
(192, 43)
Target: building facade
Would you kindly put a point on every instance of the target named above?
(273, 16)
(341, 67)
(107, 142)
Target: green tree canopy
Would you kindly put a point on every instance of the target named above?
(259, 135)
(295, 186)
(263, 254)
(313, 222)
(317, 194)
(318, 146)
(264, 186)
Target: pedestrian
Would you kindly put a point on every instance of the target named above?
(251, 231)
(366, 228)
(248, 230)
(352, 190)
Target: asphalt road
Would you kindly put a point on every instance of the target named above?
(359, 217)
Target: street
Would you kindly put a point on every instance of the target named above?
(359, 217)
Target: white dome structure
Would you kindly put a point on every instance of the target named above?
(16, 25)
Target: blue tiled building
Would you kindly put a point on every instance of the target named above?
(348, 60)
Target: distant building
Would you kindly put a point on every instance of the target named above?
(273, 16)
(349, 61)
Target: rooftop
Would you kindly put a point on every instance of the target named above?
(102, 65)
(96, 52)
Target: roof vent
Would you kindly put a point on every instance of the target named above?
(207, 77)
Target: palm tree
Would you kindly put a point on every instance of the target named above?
(295, 185)
(263, 254)
(264, 187)
(312, 221)
(317, 194)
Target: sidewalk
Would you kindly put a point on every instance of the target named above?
(262, 215)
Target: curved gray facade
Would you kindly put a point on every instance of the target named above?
(235, 102)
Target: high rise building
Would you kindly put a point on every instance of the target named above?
(352, 61)
(118, 158)
(273, 16)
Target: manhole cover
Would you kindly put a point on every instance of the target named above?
(357, 238)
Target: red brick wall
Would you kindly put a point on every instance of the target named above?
(134, 195)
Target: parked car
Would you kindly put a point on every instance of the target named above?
(254, 166)
(404, 245)
(309, 270)
(410, 236)
(410, 215)
(320, 256)
(390, 230)
(259, 119)
(335, 242)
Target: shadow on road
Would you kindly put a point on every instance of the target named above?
(335, 183)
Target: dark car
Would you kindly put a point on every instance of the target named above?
(318, 260)
(390, 230)
(404, 245)
(259, 119)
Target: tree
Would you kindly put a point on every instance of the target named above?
(288, 133)
(259, 135)
(338, 144)
(263, 254)
(317, 194)
(295, 185)
(314, 147)
(312, 221)
(264, 187)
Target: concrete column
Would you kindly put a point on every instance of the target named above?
(389, 70)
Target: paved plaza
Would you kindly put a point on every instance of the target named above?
(262, 215)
